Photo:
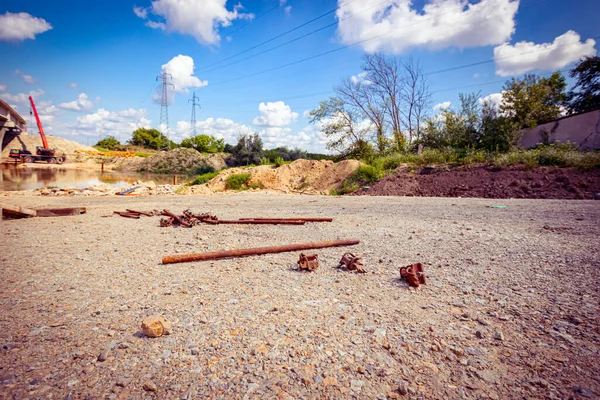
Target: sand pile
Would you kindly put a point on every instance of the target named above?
(181, 161)
(305, 176)
(29, 142)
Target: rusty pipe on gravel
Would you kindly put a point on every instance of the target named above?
(215, 255)
(176, 218)
(127, 214)
(289, 219)
(259, 222)
(147, 214)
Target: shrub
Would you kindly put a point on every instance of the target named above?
(202, 179)
(109, 143)
(279, 161)
(237, 181)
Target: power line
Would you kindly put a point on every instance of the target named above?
(295, 39)
(193, 119)
(164, 101)
(275, 37)
(254, 19)
(336, 49)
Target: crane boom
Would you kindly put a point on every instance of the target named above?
(39, 123)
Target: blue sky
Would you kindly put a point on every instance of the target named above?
(92, 66)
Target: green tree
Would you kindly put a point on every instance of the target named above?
(585, 95)
(109, 143)
(248, 150)
(149, 139)
(204, 143)
(533, 100)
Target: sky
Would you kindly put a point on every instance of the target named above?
(262, 65)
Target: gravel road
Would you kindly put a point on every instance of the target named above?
(510, 310)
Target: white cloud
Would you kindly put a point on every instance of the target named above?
(442, 106)
(2, 88)
(476, 75)
(527, 56)
(140, 12)
(27, 78)
(73, 85)
(306, 113)
(221, 128)
(21, 26)
(103, 122)
(275, 114)
(494, 98)
(181, 69)
(200, 19)
(397, 27)
(82, 103)
(288, 10)
(360, 78)
(22, 98)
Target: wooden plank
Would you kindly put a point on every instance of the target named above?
(60, 212)
(12, 211)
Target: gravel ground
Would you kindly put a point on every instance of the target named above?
(510, 310)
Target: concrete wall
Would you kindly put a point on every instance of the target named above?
(583, 129)
(12, 118)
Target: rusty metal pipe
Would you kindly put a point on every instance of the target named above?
(261, 222)
(215, 255)
(176, 218)
(127, 214)
(147, 214)
(289, 219)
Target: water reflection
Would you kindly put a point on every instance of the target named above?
(13, 178)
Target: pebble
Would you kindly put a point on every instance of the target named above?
(499, 335)
(356, 385)
(150, 386)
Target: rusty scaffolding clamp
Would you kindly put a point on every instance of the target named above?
(352, 263)
(308, 263)
(414, 274)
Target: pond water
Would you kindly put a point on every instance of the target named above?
(12, 178)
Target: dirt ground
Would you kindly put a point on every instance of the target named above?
(488, 182)
(510, 310)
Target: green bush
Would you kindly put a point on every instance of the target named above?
(368, 174)
(109, 143)
(202, 179)
(279, 161)
(237, 181)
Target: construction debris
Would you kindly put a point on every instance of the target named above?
(60, 212)
(256, 251)
(289, 219)
(308, 263)
(352, 263)
(10, 211)
(414, 274)
(127, 214)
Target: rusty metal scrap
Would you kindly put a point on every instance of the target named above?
(256, 251)
(289, 219)
(308, 263)
(176, 217)
(147, 214)
(166, 222)
(352, 263)
(255, 222)
(127, 214)
(414, 274)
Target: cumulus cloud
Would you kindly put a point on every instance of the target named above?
(21, 26)
(22, 98)
(181, 69)
(275, 114)
(442, 106)
(494, 98)
(82, 103)
(140, 12)
(527, 56)
(200, 19)
(27, 78)
(117, 123)
(221, 128)
(360, 78)
(2, 88)
(397, 27)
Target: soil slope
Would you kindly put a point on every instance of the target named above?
(29, 142)
(487, 182)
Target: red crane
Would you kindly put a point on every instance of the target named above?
(42, 153)
(39, 124)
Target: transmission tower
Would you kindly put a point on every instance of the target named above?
(164, 102)
(193, 121)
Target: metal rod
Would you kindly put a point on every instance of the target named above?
(127, 214)
(147, 214)
(289, 219)
(176, 217)
(214, 255)
(260, 222)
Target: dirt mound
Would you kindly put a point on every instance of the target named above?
(29, 142)
(304, 176)
(181, 161)
(488, 182)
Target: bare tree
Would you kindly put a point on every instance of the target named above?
(386, 79)
(415, 96)
(360, 96)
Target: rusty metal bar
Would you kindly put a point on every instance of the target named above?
(176, 217)
(258, 222)
(147, 214)
(214, 255)
(289, 219)
(127, 214)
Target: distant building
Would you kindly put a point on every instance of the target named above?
(581, 129)
(10, 122)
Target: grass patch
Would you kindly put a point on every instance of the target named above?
(237, 181)
(143, 154)
(202, 179)
(363, 175)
